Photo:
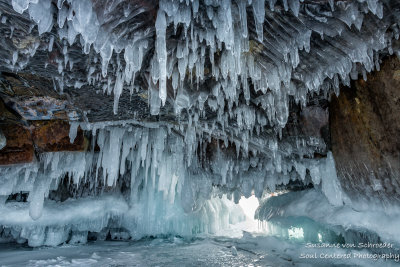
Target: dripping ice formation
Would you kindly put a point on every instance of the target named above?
(233, 57)
(147, 190)
(219, 79)
(142, 180)
(229, 78)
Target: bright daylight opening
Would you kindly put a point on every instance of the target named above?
(249, 206)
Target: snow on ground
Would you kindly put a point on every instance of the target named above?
(212, 251)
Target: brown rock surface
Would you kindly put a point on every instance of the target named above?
(41, 136)
(313, 119)
(365, 130)
(19, 147)
(53, 135)
(34, 118)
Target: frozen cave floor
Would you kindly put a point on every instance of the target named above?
(226, 249)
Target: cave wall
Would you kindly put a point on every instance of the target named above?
(365, 130)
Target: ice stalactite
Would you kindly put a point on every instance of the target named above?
(231, 79)
(200, 47)
(158, 186)
(163, 196)
(161, 51)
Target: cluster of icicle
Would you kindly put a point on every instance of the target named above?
(170, 190)
(163, 196)
(226, 52)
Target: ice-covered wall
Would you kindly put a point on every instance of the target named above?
(147, 181)
(139, 181)
(308, 216)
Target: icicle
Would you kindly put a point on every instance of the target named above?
(73, 130)
(21, 5)
(161, 51)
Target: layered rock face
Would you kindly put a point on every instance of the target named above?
(365, 125)
(35, 119)
(19, 145)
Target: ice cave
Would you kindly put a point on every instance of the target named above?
(199, 133)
